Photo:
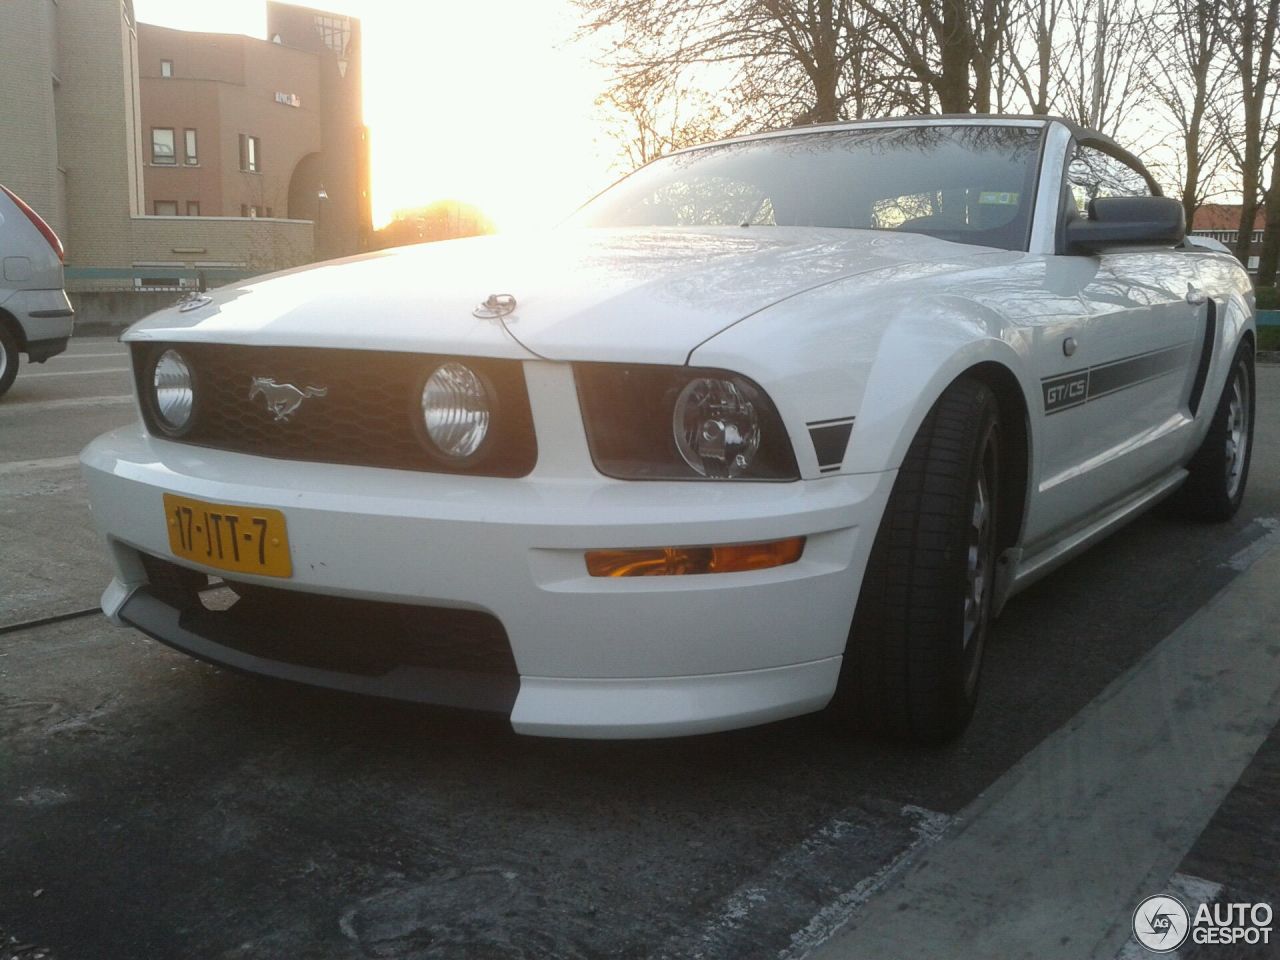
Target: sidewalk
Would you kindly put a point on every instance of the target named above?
(1051, 861)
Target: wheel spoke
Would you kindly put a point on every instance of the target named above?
(976, 557)
(1235, 445)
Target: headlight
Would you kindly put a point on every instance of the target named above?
(679, 423)
(173, 391)
(716, 428)
(456, 408)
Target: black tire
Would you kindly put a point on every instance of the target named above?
(1220, 469)
(8, 359)
(914, 654)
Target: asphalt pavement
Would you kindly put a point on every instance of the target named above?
(155, 807)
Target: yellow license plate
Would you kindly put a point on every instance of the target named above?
(232, 538)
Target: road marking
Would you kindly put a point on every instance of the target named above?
(31, 406)
(930, 828)
(1247, 557)
(1052, 859)
(35, 466)
(71, 355)
(75, 373)
(783, 896)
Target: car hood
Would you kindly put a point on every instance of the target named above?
(636, 295)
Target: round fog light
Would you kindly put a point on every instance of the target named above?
(174, 393)
(456, 408)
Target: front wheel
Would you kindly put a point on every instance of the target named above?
(914, 654)
(1218, 472)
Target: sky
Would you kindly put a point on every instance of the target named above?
(484, 101)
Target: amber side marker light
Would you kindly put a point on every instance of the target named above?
(673, 561)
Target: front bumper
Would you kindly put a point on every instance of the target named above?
(633, 657)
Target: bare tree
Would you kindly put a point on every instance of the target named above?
(790, 58)
(1031, 50)
(652, 115)
(1269, 258)
(1189, 86)
(1202, 67)
(1250, 39)
(786, 62)
(949, 48)
(1097, 83)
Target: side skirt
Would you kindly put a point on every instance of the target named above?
(1017, 570)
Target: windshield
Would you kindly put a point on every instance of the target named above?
(972, 184)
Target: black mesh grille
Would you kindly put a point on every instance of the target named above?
(364, 637)
(369, 414)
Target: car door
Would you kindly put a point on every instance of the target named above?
(1116, 369)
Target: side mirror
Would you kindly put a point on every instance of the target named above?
(1128, 221)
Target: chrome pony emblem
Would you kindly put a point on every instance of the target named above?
(283, 399)
(193, 301)
(496, 307)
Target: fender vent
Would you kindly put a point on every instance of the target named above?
(1206, 356)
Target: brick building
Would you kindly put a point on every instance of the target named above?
(1221, 221)
(77, 141)
(240, 127)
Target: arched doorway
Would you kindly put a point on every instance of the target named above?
(304, 189)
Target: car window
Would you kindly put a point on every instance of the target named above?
(1092, 174)
(967, 183)
(954, 209)
(708, 201)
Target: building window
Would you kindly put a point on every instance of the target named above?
(269, 214)
(193, 157)
(250, 154)
(193, 208)
(166, 68)
(248, 211)
(335, 32)
(165, 208)
(162, 146)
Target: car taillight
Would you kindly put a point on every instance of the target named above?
(37, 221)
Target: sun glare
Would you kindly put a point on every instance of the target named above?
(486, 102)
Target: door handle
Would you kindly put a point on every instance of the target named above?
(1195, 296)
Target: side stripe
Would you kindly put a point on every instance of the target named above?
(1067, 390)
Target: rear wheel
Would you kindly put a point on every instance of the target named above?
(1219, 470)
(914, 654)
(8, 359)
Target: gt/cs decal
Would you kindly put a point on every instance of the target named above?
(1068, 390)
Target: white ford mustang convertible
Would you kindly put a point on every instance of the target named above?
(772, 425)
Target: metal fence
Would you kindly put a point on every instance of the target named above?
(151, 279)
